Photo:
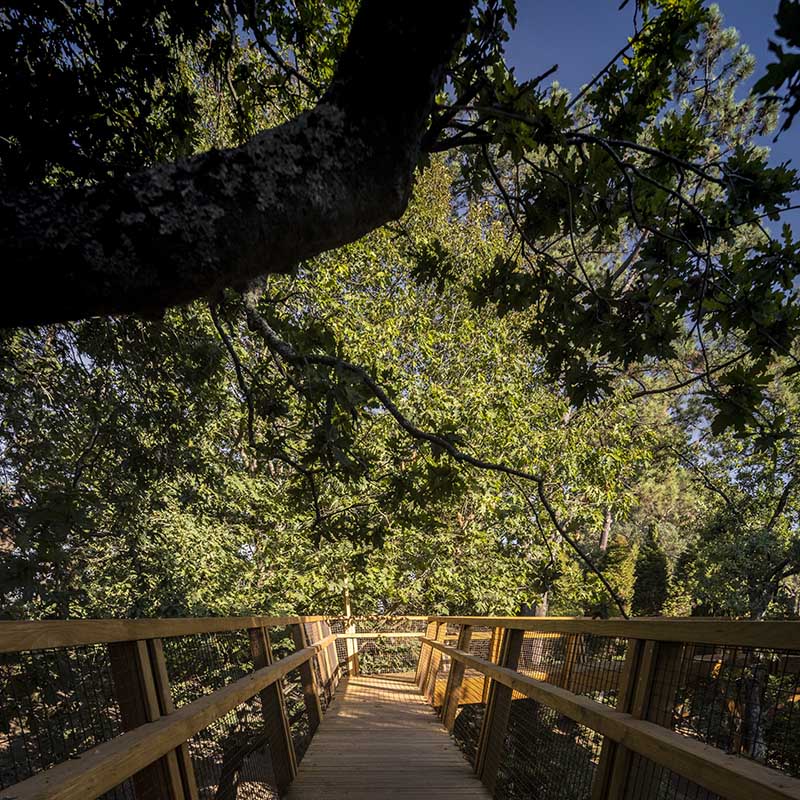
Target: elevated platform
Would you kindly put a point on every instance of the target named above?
(381, 739)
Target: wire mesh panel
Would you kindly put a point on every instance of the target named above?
(204, 662)
(545, 755)
(467, 729)
(388, 654)
(55, 704)
(649, 781)
(743, 700)
(297, 712)
(597, 667)
(586, 664)
(231, 757)
(474, 688)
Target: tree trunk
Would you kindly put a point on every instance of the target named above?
(608, 521)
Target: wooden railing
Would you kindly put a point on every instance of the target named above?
(629, 684)
(152, 753)
(654, 661)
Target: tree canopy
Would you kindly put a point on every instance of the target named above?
(325, 295)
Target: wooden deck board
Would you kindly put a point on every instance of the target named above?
(380, 739)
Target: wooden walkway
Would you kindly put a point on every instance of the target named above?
(380, 739)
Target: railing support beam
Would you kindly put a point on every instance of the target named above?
(498, 711)
(309, 681)
(273, 710)
(452, 694)
(137, 694)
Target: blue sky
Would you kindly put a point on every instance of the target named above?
(582, 35)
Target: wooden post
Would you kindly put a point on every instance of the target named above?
(494, 656)
(273, 710)
(425, 655)
(611, 751)
(309, 681)
(434, 661)
(452, 695)
(331, 656)
(350, 644)
(498, 711)
(138, 699)
(322, 662)
(570, 655)
(167, 706)
(643, 697)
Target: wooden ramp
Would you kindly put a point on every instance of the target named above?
(380, 739)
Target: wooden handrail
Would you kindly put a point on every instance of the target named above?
(777, 634)
(40, 634)
(109, 764)
(729, 776)
(382, 635)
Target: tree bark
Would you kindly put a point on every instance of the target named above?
(182, 231)
(605, 534)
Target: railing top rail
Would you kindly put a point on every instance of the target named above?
(378, 617)
(778, 634)
(16, 636)
(111, 763)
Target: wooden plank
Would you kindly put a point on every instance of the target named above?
(498, 711)
(781, 634)
(729, 776)
(455, 681)
(378, 740)
(309, 680)
(332, 657)
(102, 768)
(181, 757)
(138, 700)
(612, 770)
(381, 635)
(429, 689)
(570, 656)
(425, 655)
(380, 618)
(273, 710)
(36, 635)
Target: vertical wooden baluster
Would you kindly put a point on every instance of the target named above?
(322, 660)
(498, 711)
(181, 757)
(350, 644)
(452, 695)
(650, 699)
(135, 690)
(332, 657)
(495, 643)
(308, 679)
(273, 710)
(425, 655)
(611, 751)
(433, 665)
(570, 655)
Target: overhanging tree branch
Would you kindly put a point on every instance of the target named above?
(182, 231)
(291, 356)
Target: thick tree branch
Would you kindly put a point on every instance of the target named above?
(182, 231)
